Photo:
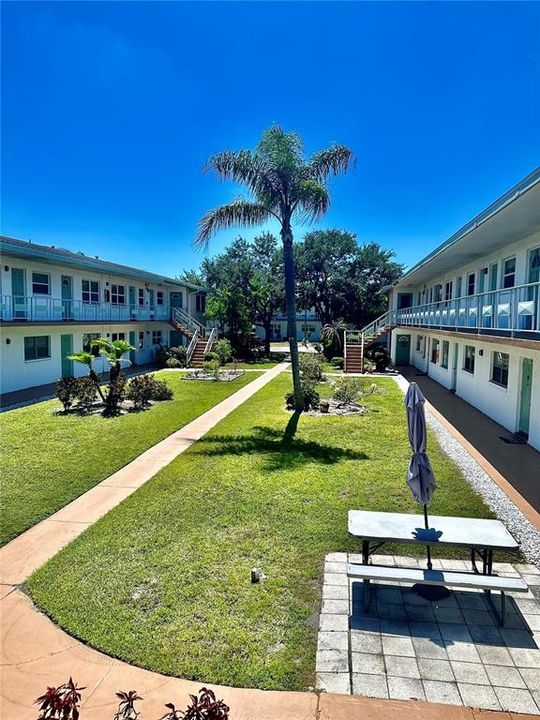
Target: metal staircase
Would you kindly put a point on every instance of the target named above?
(201, 337)
(356, 342)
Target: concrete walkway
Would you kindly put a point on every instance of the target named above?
(517, 464)
(36, 654)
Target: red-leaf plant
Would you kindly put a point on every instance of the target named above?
(60, 703)
(126, 707)
(203, 707)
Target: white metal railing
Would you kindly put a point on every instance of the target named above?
(374, 329)
(47, 309)
(211, 339)
(191, 347)
(180, 316)
(507, 311)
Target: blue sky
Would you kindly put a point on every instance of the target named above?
(109, 111)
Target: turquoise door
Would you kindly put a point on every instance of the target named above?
(403, 349)
(132, 343)
(66, 348)
(67, 297)
(176, 299)
(18, 293)
(175, 338)
(525, 396)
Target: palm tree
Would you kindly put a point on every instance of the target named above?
(86, 358)
(331, 333)
(113, 351)
(284, 185)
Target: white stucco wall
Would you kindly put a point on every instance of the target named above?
(499, 403)
(16, 373)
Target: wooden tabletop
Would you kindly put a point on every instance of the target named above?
(453, 531)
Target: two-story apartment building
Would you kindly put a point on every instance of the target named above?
(468, 314)
(55, 302)
(308, 326)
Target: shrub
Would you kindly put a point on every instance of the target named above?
(162, 355)
(179, 353)
(140, 390)
(173, 363)
(311, 368)
(116, 394)
(380, 357)
(211, 356)
(161, 391)
(223, 350)
(347, 390)
(66, 391)
(311, 397)
(211, 367)
(337, 362)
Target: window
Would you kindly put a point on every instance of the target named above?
(156, 337)
(458, 287)
(87, 346)
(448, 291)
(434, 351)
(509, 273)
(118, 336)
(445, 351)
(468, 360)
(499, 368)
(200, 303)
(40, 283)
(418, 343)
(470, 283)
(118, 294)
(90, 291)
(482, 279)
(141, 339)
(493, 276)
(37, 347)
(159, 296)
(141, 296)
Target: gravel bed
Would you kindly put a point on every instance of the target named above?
(518, 525)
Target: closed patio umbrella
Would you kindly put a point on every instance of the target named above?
(420, 477)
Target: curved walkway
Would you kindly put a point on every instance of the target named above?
(35, 653)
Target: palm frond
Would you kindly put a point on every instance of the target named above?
(312, 200)
(247, 168)
(245, 213)
(334, 160)
(85, 358)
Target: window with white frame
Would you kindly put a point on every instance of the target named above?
(200, 302)
(37, 347)
(87, 340)
(90, 291)
(118, 294)
(509, 273)
(159, 297)
(471, 277)
(157, 337)
(438, 293)
(141, 339)
(435, 351)
(499, 368)
(141, 296)
(41, 283)
(418, 343)
(468, 358)
(444, 356)
(448, 290)
(118, 336)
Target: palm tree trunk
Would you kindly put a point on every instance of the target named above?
(290, 301)
(93, 375)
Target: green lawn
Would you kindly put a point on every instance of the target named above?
(260, 365)
(163, 581)
(49, 460)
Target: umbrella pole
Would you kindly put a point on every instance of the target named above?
(428, 548)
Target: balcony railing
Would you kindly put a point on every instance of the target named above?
(46, 309)
(509, 311)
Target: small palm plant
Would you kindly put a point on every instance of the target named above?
(86, 358)
(285, 186)
(332, 333)
(114, 351)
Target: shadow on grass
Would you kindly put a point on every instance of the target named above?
(282, 450)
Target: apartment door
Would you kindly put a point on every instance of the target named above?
(131, 300)
(18, 293)
(403, 349)
(525, 396)
(132, 340)
(455, 354)
(67, 298)
(66, 348)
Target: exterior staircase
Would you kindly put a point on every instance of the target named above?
(201, 338)
(358, 341)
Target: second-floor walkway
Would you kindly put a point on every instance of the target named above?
(45, 309)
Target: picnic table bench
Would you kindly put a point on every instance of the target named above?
(481, 537)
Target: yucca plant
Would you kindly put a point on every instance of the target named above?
(285, 186)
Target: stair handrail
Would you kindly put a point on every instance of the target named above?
(211, 339)
(179, 315)
(191, 347)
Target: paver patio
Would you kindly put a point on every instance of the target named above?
(450, 651)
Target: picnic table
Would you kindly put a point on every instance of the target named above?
(481, 537)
